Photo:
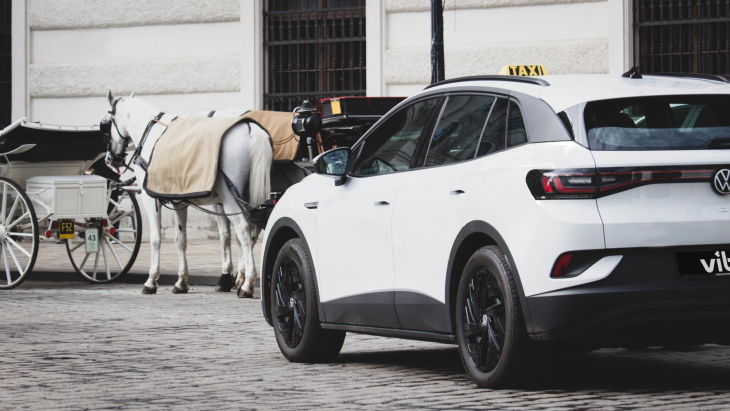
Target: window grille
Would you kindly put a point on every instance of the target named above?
(690, 36)
(5, 80)
(313, 49)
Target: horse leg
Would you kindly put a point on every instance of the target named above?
(226, 281)
(181, 240)
(242, 146)
(153, 214)
(246, 268)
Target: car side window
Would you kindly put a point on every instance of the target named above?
(495, 131)
(457, 133)
(516, 133)
(391, 146)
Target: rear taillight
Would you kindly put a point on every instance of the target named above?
(561, 265)
(586, 183)
(575, 263)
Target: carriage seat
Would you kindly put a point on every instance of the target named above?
(52, 143)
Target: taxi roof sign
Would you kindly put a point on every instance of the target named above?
(525, 70)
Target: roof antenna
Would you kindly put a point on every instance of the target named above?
(632, 73)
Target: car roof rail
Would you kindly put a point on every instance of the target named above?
(519, 79)
(710, 77)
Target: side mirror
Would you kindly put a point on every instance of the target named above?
(334, 163)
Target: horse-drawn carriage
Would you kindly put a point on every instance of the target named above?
(56, 188)
(56, 185)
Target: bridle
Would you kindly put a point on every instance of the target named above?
(113, 160)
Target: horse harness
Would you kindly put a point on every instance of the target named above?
(143, 154)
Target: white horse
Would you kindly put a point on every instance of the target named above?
(246, 156)
(226, 282)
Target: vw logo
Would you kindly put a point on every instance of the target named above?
(721, 182)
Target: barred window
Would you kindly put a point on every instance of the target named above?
(313, 49)
(691, 36)
(5, 87)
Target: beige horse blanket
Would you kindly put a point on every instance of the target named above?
(184, 162)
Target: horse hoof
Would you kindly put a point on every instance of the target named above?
(225, 283)
(244, 294)
(176, 290)
(149, 290)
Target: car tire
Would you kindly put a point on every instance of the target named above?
(295, 310)
(493, 341)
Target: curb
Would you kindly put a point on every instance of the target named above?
(129, 278)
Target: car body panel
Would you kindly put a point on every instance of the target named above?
(353, 219)
(666, 214)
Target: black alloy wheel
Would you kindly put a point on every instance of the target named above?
(295, 309)
(290, 302)
(484, 320)
(490, 330)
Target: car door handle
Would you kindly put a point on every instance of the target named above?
(457, 192)
(381, 203)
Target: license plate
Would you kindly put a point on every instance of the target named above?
(92, 240)
(66, 230)
(714, 263)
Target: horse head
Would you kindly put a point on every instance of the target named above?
(116, 128)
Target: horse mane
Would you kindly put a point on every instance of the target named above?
(143, 105)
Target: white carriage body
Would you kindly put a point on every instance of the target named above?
(80, 196)
(22, 171)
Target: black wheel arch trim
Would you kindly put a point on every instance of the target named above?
(269, 260)
(484, 228)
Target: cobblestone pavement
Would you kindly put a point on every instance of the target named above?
(78, 346)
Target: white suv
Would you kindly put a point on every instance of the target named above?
(500, 213)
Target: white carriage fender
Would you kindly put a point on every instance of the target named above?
(34, 198)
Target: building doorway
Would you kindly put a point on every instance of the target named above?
(691, 36)
(313, 49)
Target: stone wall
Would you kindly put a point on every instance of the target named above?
(481, 36)
(180, 56)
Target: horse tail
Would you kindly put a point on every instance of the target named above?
(261, 156)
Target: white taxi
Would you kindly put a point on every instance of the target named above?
(502, 213)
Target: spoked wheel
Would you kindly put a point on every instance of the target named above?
(294, 308)
(118, 242)
(491, 333)
(18, 235)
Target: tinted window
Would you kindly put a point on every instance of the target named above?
(458, 130)
(657, 123)
(495, 131)
(516, 133)
(391, 146)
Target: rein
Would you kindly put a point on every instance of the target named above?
(138, 150)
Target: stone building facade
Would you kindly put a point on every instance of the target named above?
(190, 55)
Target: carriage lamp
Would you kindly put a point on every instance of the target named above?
(307, 123)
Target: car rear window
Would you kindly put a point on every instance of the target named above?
(657, 123)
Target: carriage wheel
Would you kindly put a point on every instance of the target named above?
(116, 252)
(18, 235)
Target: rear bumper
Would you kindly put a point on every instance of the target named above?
(644, 301)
